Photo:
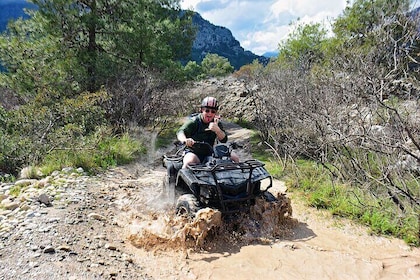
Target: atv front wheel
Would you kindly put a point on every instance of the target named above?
(269, 197)
(187, 204)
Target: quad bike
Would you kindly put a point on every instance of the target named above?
(218, 183)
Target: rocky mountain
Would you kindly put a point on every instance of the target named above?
(210, 38)
(219, 40)
(271, 54)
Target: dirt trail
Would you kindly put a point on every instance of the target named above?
(85, 235)
(318, 247)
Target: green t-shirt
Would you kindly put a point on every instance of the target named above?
(195, 128)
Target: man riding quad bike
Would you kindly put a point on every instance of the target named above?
(218, 182)
(203, 176)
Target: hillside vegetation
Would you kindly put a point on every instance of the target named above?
(339, 113)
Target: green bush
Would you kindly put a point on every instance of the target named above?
(192, 70)
(214, 65)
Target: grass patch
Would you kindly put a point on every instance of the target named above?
(258, 149)
(7, 178)
(275, 168)
(244, 123)
(314, 184)
(109, 151)
(167, 136)
(15, 191)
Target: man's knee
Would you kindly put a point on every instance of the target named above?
(190, 158)
(234, 157)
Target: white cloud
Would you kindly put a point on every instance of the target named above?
(189, 4)
(308, 7)
(261, 25)
(261, 42)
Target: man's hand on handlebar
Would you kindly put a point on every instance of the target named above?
(189, 142)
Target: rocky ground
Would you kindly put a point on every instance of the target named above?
(66, 230)
(73, 226)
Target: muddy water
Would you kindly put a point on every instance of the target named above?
(164, 230)
(309, 245)
(319, 247)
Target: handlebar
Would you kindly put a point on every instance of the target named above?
(182, 146)
(232, 145)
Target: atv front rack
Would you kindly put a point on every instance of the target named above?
(248, 164)
(236, 185)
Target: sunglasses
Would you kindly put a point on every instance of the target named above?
(210, 111)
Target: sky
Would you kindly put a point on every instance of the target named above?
(260, 25)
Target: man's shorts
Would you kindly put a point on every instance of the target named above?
(202, 158)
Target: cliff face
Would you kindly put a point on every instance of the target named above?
(219, 40)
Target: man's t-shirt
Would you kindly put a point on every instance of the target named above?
(195, 128)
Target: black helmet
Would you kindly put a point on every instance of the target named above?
(210, 102)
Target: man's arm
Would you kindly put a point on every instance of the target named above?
(183, 138)
(217, 128)
(221, 135)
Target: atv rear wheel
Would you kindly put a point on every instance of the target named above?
(187, 204)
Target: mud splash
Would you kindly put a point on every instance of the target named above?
(266, 222)
(274, 219)
(175, 232)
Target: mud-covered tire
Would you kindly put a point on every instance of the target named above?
(187, 204)
(169, 181)
(268, 196)
(281, 201)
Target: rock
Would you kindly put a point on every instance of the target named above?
(7, 204)
(126, 258)
(25, 182)
(5, 213)
(219, 40)
(49, 250)
(110, 246)
(44, 182)
(96, 217)
(64, 248)
(3, 197)
(5, 187)
(80, 170)
(33, 248)
(113, 274)
(44, 199)
(25, 207)
(67, 170)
